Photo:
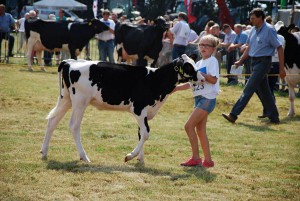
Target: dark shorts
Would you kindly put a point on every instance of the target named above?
(205, 104)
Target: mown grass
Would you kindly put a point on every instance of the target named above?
(254, 160)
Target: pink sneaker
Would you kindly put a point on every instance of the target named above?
(208, 164)
(192, 162)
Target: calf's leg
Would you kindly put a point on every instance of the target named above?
(75, 121)
(144, 133)
(30, 44)
(57, 114)
(292, 98)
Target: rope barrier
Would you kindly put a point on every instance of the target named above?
(223, 75)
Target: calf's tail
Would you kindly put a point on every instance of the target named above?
(53, 112)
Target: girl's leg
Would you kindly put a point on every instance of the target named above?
(201, 131)
(197, 117)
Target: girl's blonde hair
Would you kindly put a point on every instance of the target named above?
(211, 38)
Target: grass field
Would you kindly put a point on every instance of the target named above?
(253, 160)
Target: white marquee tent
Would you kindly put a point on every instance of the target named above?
(57, 4)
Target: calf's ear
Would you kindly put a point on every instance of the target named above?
(193, 56)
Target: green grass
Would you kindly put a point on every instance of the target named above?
(254, 160)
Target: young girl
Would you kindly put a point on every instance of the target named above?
(205, 101)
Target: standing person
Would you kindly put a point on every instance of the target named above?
(21, 31)
(181, 31)
(62, 55)
(272, 80)
(106, 39)
(6, 21)
(205, 95)
(48, 55)
(261, 45)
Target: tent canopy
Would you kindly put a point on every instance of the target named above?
(57, 4)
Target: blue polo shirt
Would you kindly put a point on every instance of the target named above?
(263, 41)
(241, 38)
(5, 21)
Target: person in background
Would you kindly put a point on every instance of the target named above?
(206, 30)
(192, 36)
(6, 21)
(205, 94)
(106, 39)
(61, 15)
(230, 36)
(62, 55)
(180, 31)
(114, 17)
(22, 12)
(234, 49)
(21, 31)
(261, 45)
(216, 31)
(48, 55)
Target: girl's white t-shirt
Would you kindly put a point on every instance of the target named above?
(208, 66)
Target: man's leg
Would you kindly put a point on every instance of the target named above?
(259, 72)
(10, 45)
(110, 51)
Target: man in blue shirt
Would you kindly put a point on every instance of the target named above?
(230, 36)
(261, 45)
(6, 21)
(234, 50)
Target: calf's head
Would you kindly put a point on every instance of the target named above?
(97, 25)
(161, 22)
(186, 69)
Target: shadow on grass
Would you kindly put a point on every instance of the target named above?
(263, 127)
(38, 71)
(287, 119)
(267, 126)
(80, 167)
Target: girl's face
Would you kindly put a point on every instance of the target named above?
(206, 49)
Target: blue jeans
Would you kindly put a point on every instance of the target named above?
(258, 81)
(177, 51)
(106, 49)
(205, 104)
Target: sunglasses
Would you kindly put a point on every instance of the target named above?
(205, 46)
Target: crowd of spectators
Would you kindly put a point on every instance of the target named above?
(178, 39)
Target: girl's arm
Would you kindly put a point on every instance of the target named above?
(181, 87)
(209, 78)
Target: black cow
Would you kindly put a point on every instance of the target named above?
(292, 62)
(140, 42)
(57, 36)
(140, 91)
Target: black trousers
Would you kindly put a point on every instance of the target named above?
(11, 41)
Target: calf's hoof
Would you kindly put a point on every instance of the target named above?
(86, 159)
(44, 156)
(127, 158)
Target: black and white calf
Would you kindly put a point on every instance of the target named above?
(57, 36)
(292, 63)
(140, 42)
(140, 91)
